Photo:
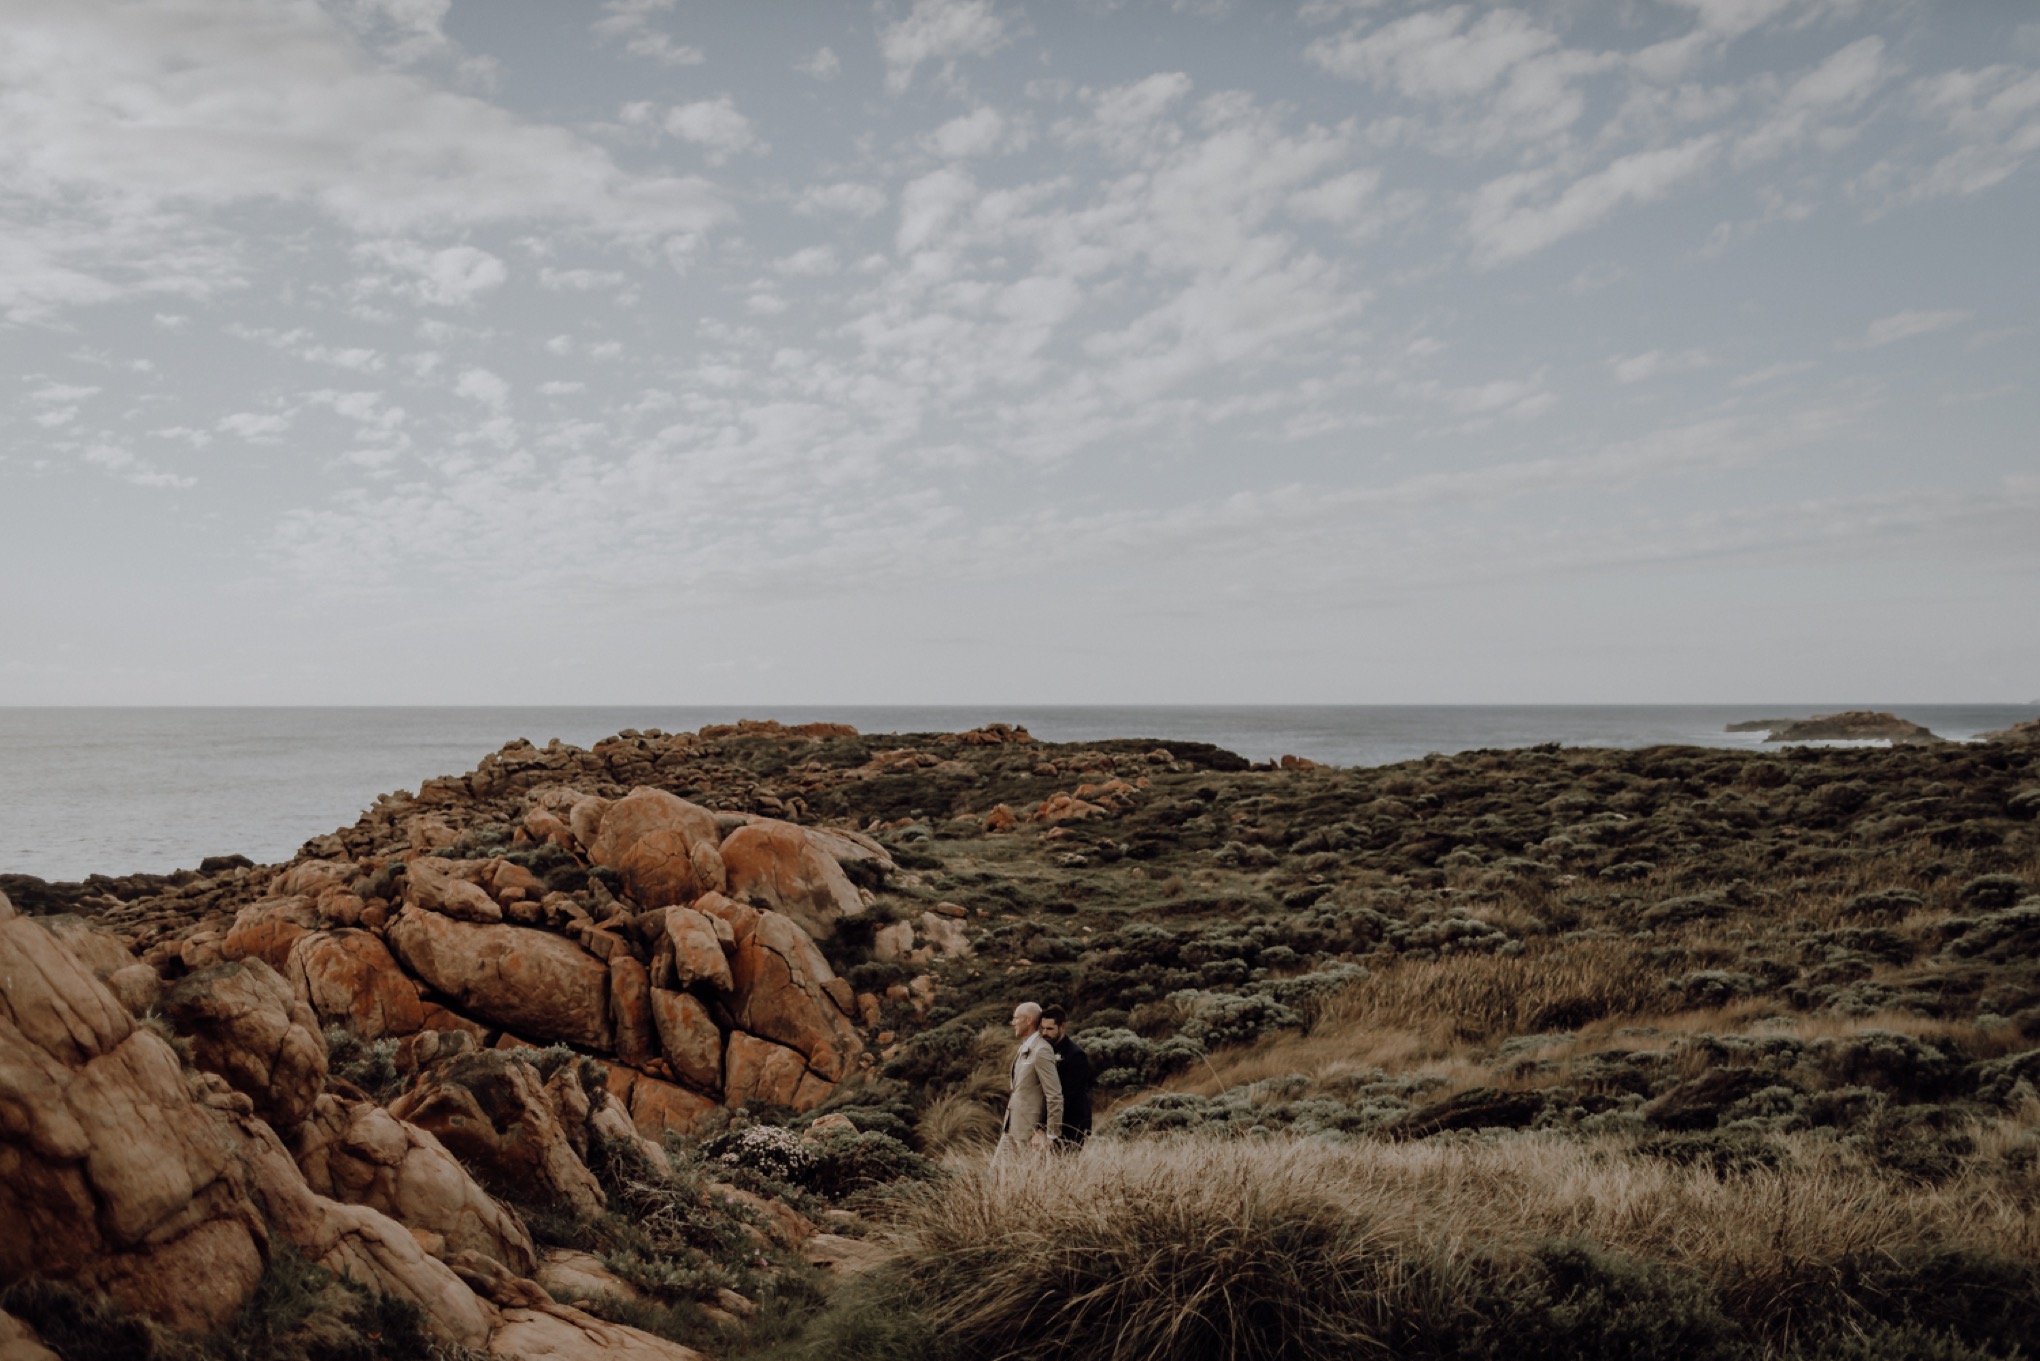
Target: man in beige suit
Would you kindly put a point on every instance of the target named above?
(1034, 1111)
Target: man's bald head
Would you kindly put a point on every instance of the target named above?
(1026, 1019)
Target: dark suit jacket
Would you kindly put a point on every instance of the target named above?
(1075, 1067)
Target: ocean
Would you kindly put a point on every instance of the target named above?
(118, 791)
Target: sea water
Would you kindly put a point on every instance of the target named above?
(119, 791)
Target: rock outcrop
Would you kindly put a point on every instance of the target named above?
(666, 849)
(493, 1113)
(246, 1025)
(535, 984)
(112, 1174)
(359, 1153)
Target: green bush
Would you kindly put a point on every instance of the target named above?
(848, 1161)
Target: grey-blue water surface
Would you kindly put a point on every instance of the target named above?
(116, 791)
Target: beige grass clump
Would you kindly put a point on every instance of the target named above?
(1203, 1247)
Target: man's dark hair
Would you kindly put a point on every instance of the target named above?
(1054, 1013)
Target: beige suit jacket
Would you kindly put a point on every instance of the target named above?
(1037, 1098)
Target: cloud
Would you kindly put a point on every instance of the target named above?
(1507, 77)
(822, 64)
(1992, 114)
(1805, 110)
(977, 133)
(928, 203)
(483, 387)
(125, 465)
(845, 197)
(1503, 227)
(1636, 368)
(938, 31)
(630, 22)
(255, 427)
(222, 102)
(454, 276)
(580, 280)
(716, 127)
(1907, 324)
(813, 262)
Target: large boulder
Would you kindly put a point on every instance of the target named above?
(266, 930)
(437, 885)
(630, 1010)
(536, 984)
(557, 1333)
(697, 950)
(786, 991)
(490, 1109)
(137, 985)
(760, 1073)
(779, 866)
(349, 978)
(664, 847)
(358, 1153)
(359, 1242)
(112, 1175)
(246, 1025)
(657, 1107)
(690, 1038)
(311, 878)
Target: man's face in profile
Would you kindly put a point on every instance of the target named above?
(1051, 1030)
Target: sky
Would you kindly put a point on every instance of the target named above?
(964, 351)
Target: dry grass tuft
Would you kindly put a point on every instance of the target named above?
(1204, 1248)
(1556, 986)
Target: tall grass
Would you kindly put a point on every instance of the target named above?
(1479, 997)
(1179, 1250)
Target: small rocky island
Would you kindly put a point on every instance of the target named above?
(1857, 725)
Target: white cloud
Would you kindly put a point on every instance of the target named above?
(454, 276)
(1512, 78)
(978, 133)
(822, 64)
(717, 127)
(562, 389)
(938, 31)
(580, 280)
(812, 262)
(1993, 115)
(1636, 368)
(222, 102)
(481, 386)
(125, 465)
(631, 22)
(1503, 227)
(1343, 199)
(1805, 110)
(845, 197)
(927, 205)
(256, 427)
(1907, 324)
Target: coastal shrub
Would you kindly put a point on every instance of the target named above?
(847, 1161)
(1885, 902)
(80, 1325)
(1213, 1019)
(1120, 1058)
(1992, 891)
(771, 1151)
(2013, 934)
(1714, 987)
(370, 1065)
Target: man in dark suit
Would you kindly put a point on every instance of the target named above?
(1074, 1067)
